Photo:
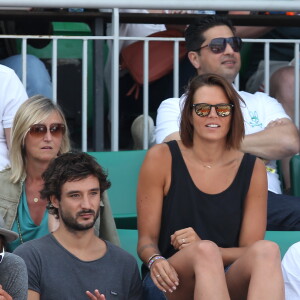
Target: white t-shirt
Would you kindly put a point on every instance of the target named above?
(12, 95)
(259, 111)
(291, 272)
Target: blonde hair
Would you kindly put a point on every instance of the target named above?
(34, 110)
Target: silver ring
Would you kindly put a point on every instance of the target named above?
(183, 241)
(157, 275)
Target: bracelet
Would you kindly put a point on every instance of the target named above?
(153, 260)
(151, 257)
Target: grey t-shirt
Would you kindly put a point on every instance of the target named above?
(55, 273)
(13, 276)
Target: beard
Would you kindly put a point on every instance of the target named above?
(71, 222)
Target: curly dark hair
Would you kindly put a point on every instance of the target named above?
(194, 33)
(70, 166)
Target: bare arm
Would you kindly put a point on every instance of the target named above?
(255, 214)
(7, 136)
(32, 295)
(278, 140)
(153, 183)
(249, 31)
(150, 195)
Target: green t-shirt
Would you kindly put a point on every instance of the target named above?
(28, 230)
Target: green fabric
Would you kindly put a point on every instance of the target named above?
(29, 230)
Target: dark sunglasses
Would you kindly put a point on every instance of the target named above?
(2, 255)
(218, 45)
(39, 130)
(222, 109)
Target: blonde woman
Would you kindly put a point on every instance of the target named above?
(39, 134)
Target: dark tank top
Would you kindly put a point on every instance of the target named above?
(215, 217)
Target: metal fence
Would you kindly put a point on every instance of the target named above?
(115, 38)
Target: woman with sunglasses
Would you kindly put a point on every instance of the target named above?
(13, 272)
(202, 207)
(39, 134)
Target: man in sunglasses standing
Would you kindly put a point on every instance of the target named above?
(270, 134)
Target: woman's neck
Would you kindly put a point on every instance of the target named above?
(209, 152)
(34, 170)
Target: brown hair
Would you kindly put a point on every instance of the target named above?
(237, 130)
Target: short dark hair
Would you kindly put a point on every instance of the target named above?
(70, 166)
(237, 129)
(194, 33)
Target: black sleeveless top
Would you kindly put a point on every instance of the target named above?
(215, 217)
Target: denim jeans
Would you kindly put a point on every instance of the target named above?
(38, 80)
(150, 290)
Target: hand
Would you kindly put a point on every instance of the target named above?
(164, 275)
(95, 296)
(183, 238)
(4, 295)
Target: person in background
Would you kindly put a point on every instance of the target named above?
(191, 229)
(12, 95)
(72, 262)
(38, 80)
(131, 103)
(39, 134)
(291, 272)
(270, 133)
(13, 271)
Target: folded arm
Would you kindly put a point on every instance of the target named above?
(278, 140)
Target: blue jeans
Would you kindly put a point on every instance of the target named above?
(150, 290)
(283, 212)
(38, 80)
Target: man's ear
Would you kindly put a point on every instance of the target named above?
(54, 201)
(194, 59)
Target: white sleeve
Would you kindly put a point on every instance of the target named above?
(274, 108)
(14, 94)
(168, 118)
(291, 272)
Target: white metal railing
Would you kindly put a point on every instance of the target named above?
(115, 38)
(254, 5)
(115, 80)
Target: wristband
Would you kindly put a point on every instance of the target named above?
(153, 260)
(151, 257)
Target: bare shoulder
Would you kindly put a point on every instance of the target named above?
(158, 152)
(158, 157)
(259, 165)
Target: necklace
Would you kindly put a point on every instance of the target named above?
(207, 166)
(35, 199)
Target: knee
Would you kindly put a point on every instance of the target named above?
(207, 250)
(266, 251)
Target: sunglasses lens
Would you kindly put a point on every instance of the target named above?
(217, 45)
(223, 110)
(38, 130)
(235, 43)
(57, 129)
(202, 109)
